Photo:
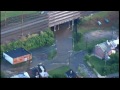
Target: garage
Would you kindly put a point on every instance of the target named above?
(18, 55)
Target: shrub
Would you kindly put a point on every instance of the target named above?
(90, 50)
(92, 66)
(77, 37)
(87, 57)
(31, 42)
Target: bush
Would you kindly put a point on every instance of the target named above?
(58, 76)
(114, 58)
(31, 42)
(92, 66)
(87, 57)
(89, 49)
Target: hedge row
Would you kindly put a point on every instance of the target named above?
(45, 38)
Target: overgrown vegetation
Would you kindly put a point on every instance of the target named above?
(31, 42)
(104, 68)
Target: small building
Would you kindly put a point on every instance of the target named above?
(71, 74)
(16, 56)
(33, 72)
(103, 50)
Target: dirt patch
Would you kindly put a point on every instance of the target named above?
(99, 34)
(112, 16)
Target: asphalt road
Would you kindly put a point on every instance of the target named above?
(77, 60)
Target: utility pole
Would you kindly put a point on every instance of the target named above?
(5, 18)
(55, 37)
(58, 27)
(22, 24)
(69, 25)
(86, 42)
(70, 53)
(72, 25)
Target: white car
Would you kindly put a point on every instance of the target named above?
(42, 12)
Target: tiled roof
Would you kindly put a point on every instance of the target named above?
(104, 46)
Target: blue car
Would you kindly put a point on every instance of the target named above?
(106, 20)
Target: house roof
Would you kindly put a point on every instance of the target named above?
(17, 52)
(104, 46)
(44, 74)
(32, 72)
(40, 69)
(107, 46)
(21, 75)
(71, 74)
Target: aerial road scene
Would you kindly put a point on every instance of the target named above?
(59, 44)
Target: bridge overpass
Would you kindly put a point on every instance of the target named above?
(59, 17)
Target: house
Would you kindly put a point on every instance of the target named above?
(71, 74)
(21, 75)
(16, 56)
(42, 71)
(38, 72)
(33, 72)
(103, 50)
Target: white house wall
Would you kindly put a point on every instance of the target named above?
(8, 58)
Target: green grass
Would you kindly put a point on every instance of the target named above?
(100, 64)
(101, 14)
(59, 71)
(52, 54)
(14, 13)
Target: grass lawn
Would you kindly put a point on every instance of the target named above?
(98, 15)
(100, 64)
(59, 72)
(14, 13)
